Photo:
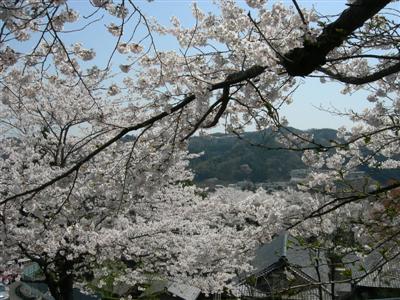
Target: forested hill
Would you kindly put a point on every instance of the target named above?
(231, 159)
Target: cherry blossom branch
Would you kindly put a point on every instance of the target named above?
(232, 79)
(363, 80)
(341, 201)
(300, 12)
(346, 57)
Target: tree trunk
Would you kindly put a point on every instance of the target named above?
(66, 287)
(62, 288)
(317, 266)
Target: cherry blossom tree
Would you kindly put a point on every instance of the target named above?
(131, 203)
(78, 194)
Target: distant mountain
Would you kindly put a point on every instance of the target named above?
(228, 159)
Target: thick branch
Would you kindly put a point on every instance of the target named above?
(363, 80)
(303, 61)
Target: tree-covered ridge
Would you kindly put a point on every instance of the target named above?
(231, 159)
(225, 156)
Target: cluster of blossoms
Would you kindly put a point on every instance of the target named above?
(45, 25)
(165, 77)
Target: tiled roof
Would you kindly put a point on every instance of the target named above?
(374, 270)
(285, 248)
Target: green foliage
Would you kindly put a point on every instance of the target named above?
(115, 269)
(185, 183)
(251, 280)
(347, 273)
(392, 212)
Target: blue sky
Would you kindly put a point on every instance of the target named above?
(302, 113)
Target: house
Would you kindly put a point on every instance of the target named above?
(285, 269)
(373, 277)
